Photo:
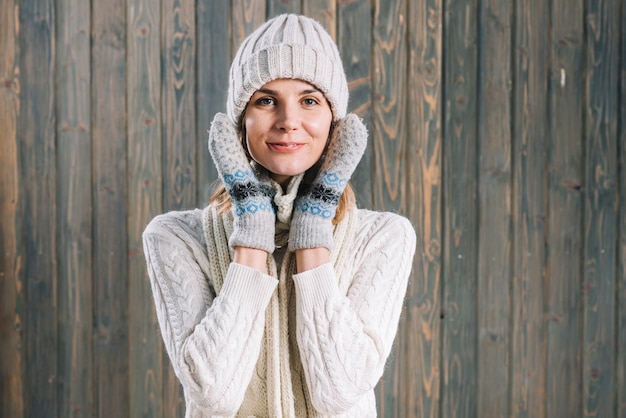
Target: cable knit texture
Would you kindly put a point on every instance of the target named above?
(279, 344)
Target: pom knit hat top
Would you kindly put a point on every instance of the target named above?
(287, 46)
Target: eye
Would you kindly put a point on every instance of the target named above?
(265, 101)
(310, 101)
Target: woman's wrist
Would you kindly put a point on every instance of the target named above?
(310, 258)
(251, 257)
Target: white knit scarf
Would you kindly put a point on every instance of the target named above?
(279, 366)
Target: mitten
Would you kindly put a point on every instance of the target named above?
(314, 210)
(251, 195)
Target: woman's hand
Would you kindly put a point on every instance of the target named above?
(252, 198)
(311, 225)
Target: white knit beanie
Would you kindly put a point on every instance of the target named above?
(287, 46)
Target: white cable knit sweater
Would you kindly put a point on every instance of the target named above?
(281, 344)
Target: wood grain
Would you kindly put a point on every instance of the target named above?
(75, 265)
(247, 15)
(110, 245)
(36, 136)
(213, 62)
(620, 346)
(278, 7)
(529, 210)
(389, 144)
(354, 24)
(421, 390)
(460, 211)
(178, 29)
(565, 201)
(494, 218)
(600, 204)
(145, 179)
(325, 12)
(12, 384)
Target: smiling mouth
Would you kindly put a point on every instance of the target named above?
(286, 147)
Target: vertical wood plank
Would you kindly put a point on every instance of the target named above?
(247, 15)
(277, 7)
(36, 136)
(389, 129)
(179, 129)
(74, 214)
(213, 62)
(11, 273)
(421, 391)
(529, 210)
(494, 219)
(460, 159)
(389, 143)
(143, 104)
(325, 12)
(621, 273)
(355, 46)
(600, 223)
(108, 117)
(564, 265)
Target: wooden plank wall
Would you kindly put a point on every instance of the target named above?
(498, 127)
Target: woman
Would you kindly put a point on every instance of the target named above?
(281, 298)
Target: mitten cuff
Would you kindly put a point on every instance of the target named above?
(254, 230)
(310, 231)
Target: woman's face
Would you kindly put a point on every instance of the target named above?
(287, 123)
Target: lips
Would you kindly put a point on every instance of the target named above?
(286, 146)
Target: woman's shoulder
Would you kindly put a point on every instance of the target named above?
(376, 220)
(381, 228)
(187, 223)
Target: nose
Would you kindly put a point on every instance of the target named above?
(288, 118)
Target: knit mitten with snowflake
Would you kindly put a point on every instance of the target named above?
(314, 210)
(251, 193)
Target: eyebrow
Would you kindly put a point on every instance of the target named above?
(275, 93)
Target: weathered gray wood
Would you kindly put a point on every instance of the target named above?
(494, 218)
(75, 211)
(494, 127)
(36, 136)
(213, 57)
(565, 176)
(421, 390)
(145, 179)
(12, 384)
(389, 144)
(178, 101)
(389, 131)
(620, 346)
(108, 117)
(325, 12)
(277, 7)
(247, 15)
(460, 211)
(178, 29)
(354, 26)
(529, 210)
(600, 201)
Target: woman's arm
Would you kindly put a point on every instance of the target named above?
(213, 342)
(344, 340)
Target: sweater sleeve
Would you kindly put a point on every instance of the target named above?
(344, 339)
(213, 342)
